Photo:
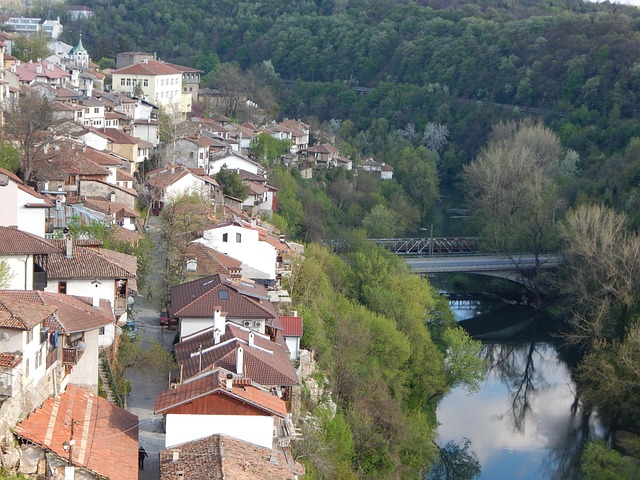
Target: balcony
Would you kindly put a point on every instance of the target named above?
(52, 357)
(71, 355)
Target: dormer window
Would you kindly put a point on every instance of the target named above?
(223, 294)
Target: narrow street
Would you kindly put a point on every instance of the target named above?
(146, 385)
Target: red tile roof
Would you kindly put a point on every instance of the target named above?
(10, 360)
(148, 67)
(88, 263)
(17, 242)
(106, 436)
(199, 297)
(292, 326)
(220, 457)
(73, 314)
(267, 362)
(210, 261)
(215, 384)
(17, 314)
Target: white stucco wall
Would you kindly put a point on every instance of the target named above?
(186, 185)
(249, 250)
(189, 326)
(293, 344)
(232, 162)
(29, 352)
(85, 372)
(95, 141)
(22, 270)
(15, 213)
(84, 288)
(250, 428)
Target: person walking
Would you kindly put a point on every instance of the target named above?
(142, 454)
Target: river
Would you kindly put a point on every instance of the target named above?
(523, 423)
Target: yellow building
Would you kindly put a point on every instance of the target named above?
(156, 82)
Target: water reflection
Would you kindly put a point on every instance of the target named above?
(525, 422)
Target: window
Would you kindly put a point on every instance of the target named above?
(238, 237)
(146, 82)
(223, 294)
(128, 82)
(122, 82)
(96, 110)
(101, 331)
(62, 287)
(225, 237)
(38, 358)
(29, 336)
(26, 367)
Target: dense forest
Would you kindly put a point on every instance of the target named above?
(544, 92)
(463, 65)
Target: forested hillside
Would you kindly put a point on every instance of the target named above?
(464, 65)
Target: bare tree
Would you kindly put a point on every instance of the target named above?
(600, 272)
(27, 120)
(173, 127)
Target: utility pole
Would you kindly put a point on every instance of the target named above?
(69, 445)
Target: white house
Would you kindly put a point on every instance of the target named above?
(22, 206)
(244, 243)
(173, 181)
(49, 340)
(27, 257)
(90, 271)
(219, 402)
(292, 333)
(233, 161)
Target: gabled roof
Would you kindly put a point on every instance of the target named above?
(241, 392)
(17, 242)
(291, 326)
(43, 201)
(148, 67)
(109, 208)
(106, 436)
(74, 314)
(210, 261)
(198, 298)
(117, 136)
(267, 363)
(27, 72)
(66, 159)
(164, 177)
(88, 264)
(101, 158)
(183, 69)
(221, 457)
(22, 315)
(251, 177)
(10, 360)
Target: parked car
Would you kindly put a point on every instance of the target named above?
(164, 317)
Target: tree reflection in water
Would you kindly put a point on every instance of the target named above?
(514, 365)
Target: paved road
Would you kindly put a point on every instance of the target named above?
(146, 385)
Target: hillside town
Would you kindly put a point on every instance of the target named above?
(68, 303)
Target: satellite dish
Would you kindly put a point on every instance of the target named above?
(81, 346)
(4, 336)
(130, 300)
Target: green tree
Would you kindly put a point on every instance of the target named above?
(455, 462)
(601, 463)
(266, 149)
(9, 157)
(231, 183)
(382, 222)
(6, 275)
(31, 48)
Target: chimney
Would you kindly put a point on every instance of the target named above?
(50, 66)
(229, 383)
(69, 245)
(295, 313)
(251, 339)
(96, 299)
(239, 360)
(219, 321)
(235, 277)
(113, 197)
(38, 69)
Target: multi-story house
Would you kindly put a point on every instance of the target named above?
(157, 82)
(22, 206)
(244, 302)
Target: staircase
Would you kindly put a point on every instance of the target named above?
(105, 383)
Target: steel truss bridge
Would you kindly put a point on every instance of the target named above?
(417, 246)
